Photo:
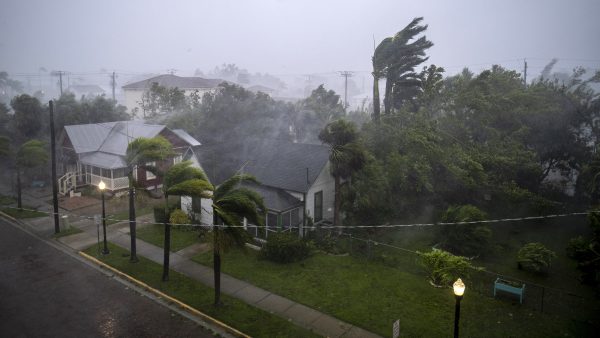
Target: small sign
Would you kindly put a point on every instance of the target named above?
(97, 219)
(396, 329)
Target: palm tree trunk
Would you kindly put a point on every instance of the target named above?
(376, 104)
(19, 199)
(337, 201)
(133, 256)
(167, 246)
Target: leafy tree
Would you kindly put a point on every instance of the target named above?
(182, 180)
(395, 58)
(535, 257)
(31, 154)
(231, 204)
(347, 156)
(159, 99)
(465, 239)
(140, 152)
(8, 87)
(443, 268)
(28, 115)
(314, 112)
(4, 146)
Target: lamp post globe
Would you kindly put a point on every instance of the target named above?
(459, 290)
(102, 186)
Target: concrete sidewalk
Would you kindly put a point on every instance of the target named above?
(297, 313)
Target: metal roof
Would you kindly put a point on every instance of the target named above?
(103, 160)
(186, 137)
(169, 80)
(111, 137)
(105, 144)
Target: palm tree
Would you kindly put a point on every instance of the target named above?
(231, 204)
(31, 154)
(347, 156)
(140, 152)
(182, 180)
(395, 59)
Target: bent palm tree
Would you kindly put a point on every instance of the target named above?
(395, 58)
(140, 152)
(182, 180)
(231, 204)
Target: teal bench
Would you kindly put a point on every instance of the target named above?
(509, 287)
(38, 184)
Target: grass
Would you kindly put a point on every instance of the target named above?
(123, 215)
(180, 238)
(67, 232)
(22, 213)
(372, 296)
(238, 314)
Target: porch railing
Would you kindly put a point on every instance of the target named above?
(111, 183)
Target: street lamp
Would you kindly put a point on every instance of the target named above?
(102, 186)
(459, 290)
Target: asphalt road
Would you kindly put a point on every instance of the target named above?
(47, 293)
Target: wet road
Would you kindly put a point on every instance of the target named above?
(46, 293)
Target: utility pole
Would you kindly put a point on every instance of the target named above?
(346, 74)
(113, 85)
(54, 181)
(60, 74)
(525, 73)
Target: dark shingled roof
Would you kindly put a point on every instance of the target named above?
(275, 199)
(169, 80)
(275, 163)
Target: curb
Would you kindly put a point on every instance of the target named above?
(158, 293)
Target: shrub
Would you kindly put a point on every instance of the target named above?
(577, 247)
(535, 257)
(285, 248)
(443, 268)
(178, 216)
(464, 239)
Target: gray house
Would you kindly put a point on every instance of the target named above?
(293, 177)
(90, 153)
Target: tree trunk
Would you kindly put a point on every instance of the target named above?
(19, 199)
(133, 256)
(336, 203)
(167, 245)
(387, 101)
(376, 104)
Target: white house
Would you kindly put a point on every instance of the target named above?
(133, 91)
(293, 177)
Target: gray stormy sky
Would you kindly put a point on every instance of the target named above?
(288, 37)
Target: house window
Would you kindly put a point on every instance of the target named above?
(177, 159)
(197, 204)
(149, 175)
(318, 206)
(119, 173)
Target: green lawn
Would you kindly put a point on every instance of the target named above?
(372, 295)
(155, 234)
(238, 314)
(16, 213)
(123, 216)
(67, 232)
